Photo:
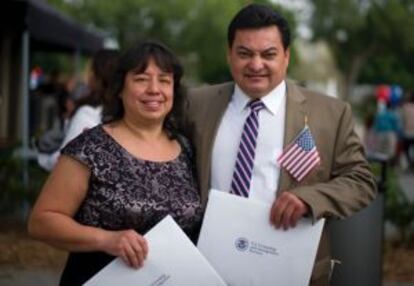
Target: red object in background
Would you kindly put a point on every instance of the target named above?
(35, 77)
(383, 93)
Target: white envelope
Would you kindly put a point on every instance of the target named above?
(240, 243)
(172, 260)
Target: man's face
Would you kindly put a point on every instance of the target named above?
(258, 61)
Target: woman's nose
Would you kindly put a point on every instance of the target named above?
(154, 86)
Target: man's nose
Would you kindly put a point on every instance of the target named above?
(256, 63)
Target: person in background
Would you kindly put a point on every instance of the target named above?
(407, 116)
(88, 108)
(264, 113)
(386, 132)
(53, 105)
(117, 180)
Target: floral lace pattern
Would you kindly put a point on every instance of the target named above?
(127, 192)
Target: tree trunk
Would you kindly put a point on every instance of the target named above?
(354, 70)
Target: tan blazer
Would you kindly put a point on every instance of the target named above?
(341, 185)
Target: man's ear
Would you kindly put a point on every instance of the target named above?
(228, 54)
(287, 56)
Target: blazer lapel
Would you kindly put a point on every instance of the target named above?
(294, 123)
(216, 107)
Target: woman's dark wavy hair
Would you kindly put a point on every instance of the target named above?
(136, 59)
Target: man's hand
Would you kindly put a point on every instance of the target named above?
(286, 210)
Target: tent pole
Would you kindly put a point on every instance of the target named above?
(25, 106)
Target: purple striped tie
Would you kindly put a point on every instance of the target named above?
(242, 175)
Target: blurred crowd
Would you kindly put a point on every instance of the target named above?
(390, 132)
(62, 107)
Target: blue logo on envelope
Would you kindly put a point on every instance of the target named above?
(242, 244)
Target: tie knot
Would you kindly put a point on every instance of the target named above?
(256, 105)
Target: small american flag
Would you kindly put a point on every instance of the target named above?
(300, 156)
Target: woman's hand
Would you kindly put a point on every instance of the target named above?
(131, 247)
(52, 218)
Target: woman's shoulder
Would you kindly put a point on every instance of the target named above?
(87, 146)
(88, 137)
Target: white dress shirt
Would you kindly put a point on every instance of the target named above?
(269, 146)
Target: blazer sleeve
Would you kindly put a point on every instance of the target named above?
(351, 185)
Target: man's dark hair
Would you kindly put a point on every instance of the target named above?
(255, 16)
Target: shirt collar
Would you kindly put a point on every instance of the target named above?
(272, 100)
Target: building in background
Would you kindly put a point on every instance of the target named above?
(26, 27)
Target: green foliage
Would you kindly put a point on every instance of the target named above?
(196, 30)
(373, 38)
(366, 110)
(14, 192)
(399, 210)
(395, 68)
(64, 64)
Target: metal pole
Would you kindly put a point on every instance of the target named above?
(25, 119)
(25, 105)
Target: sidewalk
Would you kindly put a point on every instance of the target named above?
(25, 262)
(13, 277)
(18, 277)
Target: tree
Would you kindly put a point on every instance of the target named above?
(361, 32)
(196, 30)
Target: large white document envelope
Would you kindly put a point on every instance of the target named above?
(172, 260)
(240, 243)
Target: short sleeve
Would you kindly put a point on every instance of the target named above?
(80, 149)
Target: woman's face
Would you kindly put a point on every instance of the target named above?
(148, 96)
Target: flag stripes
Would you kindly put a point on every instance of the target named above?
(301, 156)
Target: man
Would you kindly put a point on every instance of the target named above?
(338, 181)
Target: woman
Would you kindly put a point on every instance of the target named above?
(116, 181)
(88, 112)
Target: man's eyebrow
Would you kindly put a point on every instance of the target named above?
(243, 48)
(270, 49)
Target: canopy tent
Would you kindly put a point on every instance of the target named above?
(28, 26)
(49, 29)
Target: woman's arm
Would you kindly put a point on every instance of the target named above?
(52, 217)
